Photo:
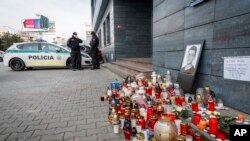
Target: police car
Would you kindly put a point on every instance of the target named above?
(39, 54)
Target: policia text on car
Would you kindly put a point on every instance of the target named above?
(34, 57)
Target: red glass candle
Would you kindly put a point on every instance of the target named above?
(190, 132)
(148, 90)
(142, 123)
(197, 137)
(176, 100)
(143, 82)
(221, 135)
(213, 126)
(184, 128)
(195, 107)
(153, 119)
(150, 111)
(118, 107)
(123, 110)
(127, 134)
(197, 118)
(182, 101)
(210, 105)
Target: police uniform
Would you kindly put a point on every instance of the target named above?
(76, 58)
(94, 50)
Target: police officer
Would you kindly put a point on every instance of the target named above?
(94, 50)
(76, 58)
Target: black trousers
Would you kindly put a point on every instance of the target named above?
(95, 61)
(76, 60)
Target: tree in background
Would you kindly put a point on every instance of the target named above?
(7, 39)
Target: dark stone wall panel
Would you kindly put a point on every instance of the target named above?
(229, 8)
(231, 33)
(198, 34)
(203, 14)
(157, 2)
(170, 42)
(170, 24)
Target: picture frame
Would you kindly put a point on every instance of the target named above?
(189, 65)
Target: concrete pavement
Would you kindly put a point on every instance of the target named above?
(54, 104)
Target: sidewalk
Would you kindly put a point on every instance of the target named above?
(42, 105)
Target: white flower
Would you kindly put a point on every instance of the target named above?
(179, 109)
(208, 113)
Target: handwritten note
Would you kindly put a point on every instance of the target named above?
(237, 68)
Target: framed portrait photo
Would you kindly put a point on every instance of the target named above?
(189, 65)
(191, 58)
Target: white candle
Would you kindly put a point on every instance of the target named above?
(189, 138)
(116, 128)
(178, 124)
(138, 128)
(122, 122)
(133, 122)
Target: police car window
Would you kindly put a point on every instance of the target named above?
(49, 47)
(20, 46)
(32, 46)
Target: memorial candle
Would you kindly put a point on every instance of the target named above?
(213, 126)
(142, 122)
(210, 105)
(195, 107)
(184, 128)
(197, 118)
(149, 112)
(221, 135)
(127, 134)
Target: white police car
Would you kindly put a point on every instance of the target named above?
(39, 54)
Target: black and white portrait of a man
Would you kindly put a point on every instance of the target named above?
(190, 59)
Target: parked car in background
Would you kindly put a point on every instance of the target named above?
(39, 54)
(1, 55)
(85, 49)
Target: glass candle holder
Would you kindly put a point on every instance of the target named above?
(220, 103)
(221, 135)
(211, 106)
(197, 118)
(184, 128)
(153, 119)
(195, 107)
(149, 112)
(127, 134)
(213, 126)
(241, 117)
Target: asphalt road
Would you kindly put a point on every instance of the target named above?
(54, 104)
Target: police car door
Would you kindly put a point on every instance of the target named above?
(31, 54)
(51, 55)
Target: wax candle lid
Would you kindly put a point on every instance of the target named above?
(212, 135)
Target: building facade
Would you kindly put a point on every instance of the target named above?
(223, 24)
(87, 32)
(123, 27)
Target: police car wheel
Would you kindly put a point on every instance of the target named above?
(17, 64)
(1, 59)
